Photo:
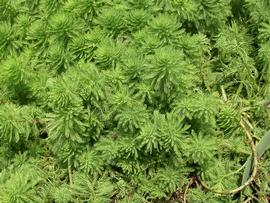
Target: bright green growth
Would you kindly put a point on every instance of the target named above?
(129, 101)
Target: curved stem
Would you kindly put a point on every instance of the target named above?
(244, 125)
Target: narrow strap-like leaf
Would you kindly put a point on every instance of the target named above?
(261, 148)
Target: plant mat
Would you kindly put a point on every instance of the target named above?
(134, 101)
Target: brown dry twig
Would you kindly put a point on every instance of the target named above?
(191, 181)
(248, 200)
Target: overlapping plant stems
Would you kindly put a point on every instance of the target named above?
(244, 123)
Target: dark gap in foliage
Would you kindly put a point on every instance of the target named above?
(43, 135)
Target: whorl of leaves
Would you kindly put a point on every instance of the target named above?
(132, 101)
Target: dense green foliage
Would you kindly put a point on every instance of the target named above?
(130, 101)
